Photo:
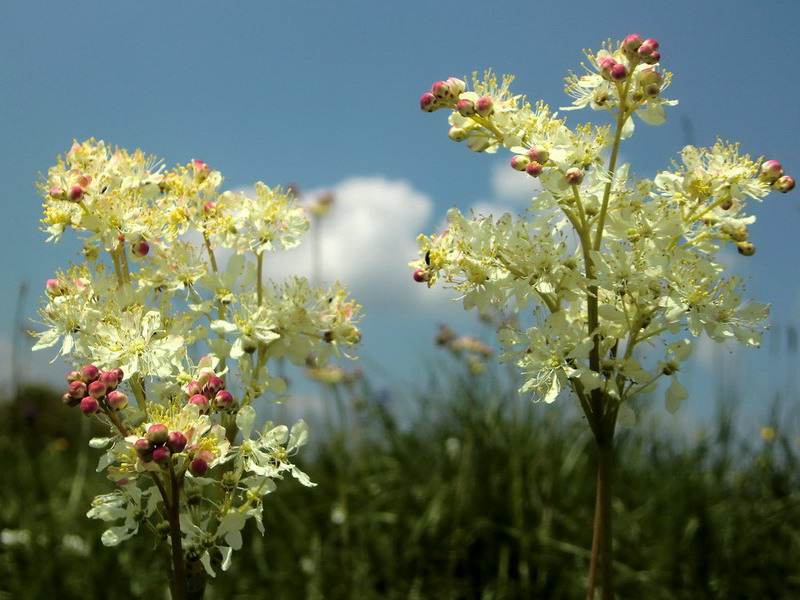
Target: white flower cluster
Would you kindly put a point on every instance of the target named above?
(612, 265)
(183, 279)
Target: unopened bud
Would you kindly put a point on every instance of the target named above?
(619, 72)
(456, 85)
(97, 389)
(75, 193)
(771, 171)
(90, 373)
(198, 467)
(140, 248)
(194, 387)
(201, 170)
(223, 400)
(442, 90)
(213, 385)
(457, 134)
(143, 447)
(519, 162)
(83, 180)
(538, 154)
(176, 441)
(77, 389)
(205, 374)
(109, 379)
(119, 373)
(650, 77)
(785, 184)
(533, 168)
(116, 400)
(647, 47)
(157, 434)
(654, 58)
(57, 193)
(465, 107)
(428, 102)
(161, 455)
(746, 248)
(201, 401)
(74, 376)
(606, 64)
(484, 106)
(574, 176)
(89, 406)
(421, 275)
(631, 44)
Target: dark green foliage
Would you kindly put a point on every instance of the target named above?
(479, 496)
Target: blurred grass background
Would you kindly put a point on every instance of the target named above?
(480, 495)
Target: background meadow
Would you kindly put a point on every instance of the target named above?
(424, 470)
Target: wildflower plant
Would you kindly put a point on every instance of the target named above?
(618, 272)
(170, 327)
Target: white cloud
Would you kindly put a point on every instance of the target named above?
(366, 242)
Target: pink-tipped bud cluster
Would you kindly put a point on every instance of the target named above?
(630, 45)
(772, 173)
(159, 444)
(443, 94)
(209, 392)
(94, 390)
(637, 49)
(612, 70)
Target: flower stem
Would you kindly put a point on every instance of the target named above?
(602, 538)
(178, 565)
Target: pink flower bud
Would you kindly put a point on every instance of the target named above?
(647, 48)
(140, 248)
(116, 400)
(198, 467)
(109, 379)
(771, 171)
(484, 106)
(213, 385)
(619, 72)
(176, 441)
(75, 193)
(533, 168)
(161, 455)
(205, 374)
(421, 275)
(157, 434)
(654, 58)
(201, 401)
(142, 447)
(97, 389)
(89, 406)
(784, 184)
(631, 44)
(538, 154)
(74, 376)
(441, 89)
(69, 400)
(606, 65)
(574, 176)
(54, 287)
(119, 374)
(194, 387)
(57, 193)
(223, 400)
(465, 107)
(90, 373)
(428, 102)
(77, 389)
(208, 207)
(519, 162)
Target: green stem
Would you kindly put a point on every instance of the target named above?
(179, 590)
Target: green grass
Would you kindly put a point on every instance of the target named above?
(480, 495)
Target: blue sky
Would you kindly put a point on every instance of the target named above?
(326, 94)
